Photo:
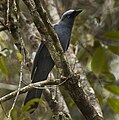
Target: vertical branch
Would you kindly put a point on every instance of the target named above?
(8, 12)
(18, 90)
(23, 54)
(22, 64)
(15, 31)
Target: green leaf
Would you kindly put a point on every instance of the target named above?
(19, 56)
(31, 102)
(112, 35)
(98, 60)
(109, 77)
(112, 88)
(114, 49)
(5, 52)
(3, 66)
(114, 104)
(14, 114)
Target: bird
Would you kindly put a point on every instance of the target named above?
(43, 63)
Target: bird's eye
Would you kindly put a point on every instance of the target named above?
(68, 16)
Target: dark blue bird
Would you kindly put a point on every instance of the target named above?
(43, 62)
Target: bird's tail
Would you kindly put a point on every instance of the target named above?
(42, 65)
(32, 94)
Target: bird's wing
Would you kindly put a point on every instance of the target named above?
(42, 64)
(35, 62)
(64, 34)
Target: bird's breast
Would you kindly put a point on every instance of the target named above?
(64, 34)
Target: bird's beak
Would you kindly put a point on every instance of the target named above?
(78, 11)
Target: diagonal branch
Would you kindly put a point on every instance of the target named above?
(73, 86)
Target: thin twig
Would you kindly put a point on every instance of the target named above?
(8, 12)
(20, 81)
(29, 87)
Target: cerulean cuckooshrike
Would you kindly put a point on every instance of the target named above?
(43, 62)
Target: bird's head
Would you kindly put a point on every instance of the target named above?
(69, 16)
